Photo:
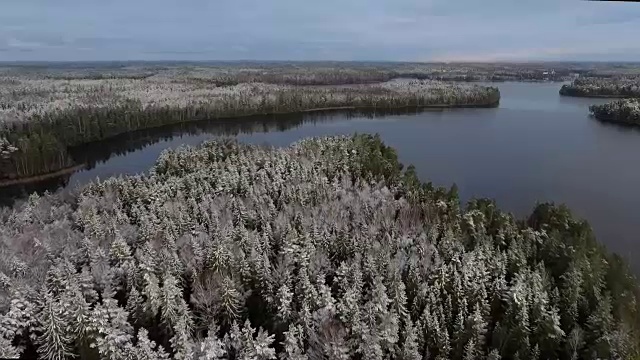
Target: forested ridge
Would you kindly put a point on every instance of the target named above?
(323, 250)
(300, 73)
(41, 119)
(619, 86)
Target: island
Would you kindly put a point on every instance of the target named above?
(614, 87)
(624, 111)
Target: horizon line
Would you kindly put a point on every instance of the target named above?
(511, 61)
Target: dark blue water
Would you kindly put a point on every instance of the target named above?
(537, 146)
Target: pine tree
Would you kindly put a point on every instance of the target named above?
(7, 350)
(293, 344)
(146, 349)
(21, 319)
(55, 341)
(152, 294)
(212, 347)
(111, 332)
(285, 297)
(181, 342)
(135, 305)
(410, 347)
(599, 328)
(78, 317)
(575, 342)
(471, 350)
(494, 355)
(173, 308)
(231, 299)
(246, 347)
(476, 328)
(328, 338)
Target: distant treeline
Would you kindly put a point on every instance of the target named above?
(374, 76)
(299, 73)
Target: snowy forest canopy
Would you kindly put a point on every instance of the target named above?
(618, 86)
(624, 111)
(327, 249)
(42, 119)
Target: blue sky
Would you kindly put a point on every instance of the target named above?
(399, 30)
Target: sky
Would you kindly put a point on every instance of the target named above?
(351, 30)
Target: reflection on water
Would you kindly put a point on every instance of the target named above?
(97, 155)
(10, 193)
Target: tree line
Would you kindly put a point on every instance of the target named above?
(44, 119)
(296, 73)
(618, 86)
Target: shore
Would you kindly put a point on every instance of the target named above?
(432, 106)
(605, 88)
(625, 111)
(72, 169)
(41, 177)
(52, 116)
(598, 96)
(616, 120)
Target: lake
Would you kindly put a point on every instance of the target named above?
(536, 146)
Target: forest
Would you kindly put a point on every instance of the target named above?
(307, 73)
(42, 118)
(625, 111)
(618, 86)
(90, 155)
(327, 249)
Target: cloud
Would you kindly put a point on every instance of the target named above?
(536, 54)
(19, 44)
(603, 14)
(175, 52)
(420, 30)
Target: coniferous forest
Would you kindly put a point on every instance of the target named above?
(327, 249)
(616, 87)
(625, 111)
(42, 118)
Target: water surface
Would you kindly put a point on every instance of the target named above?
(537, 146)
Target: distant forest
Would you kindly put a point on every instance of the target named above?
(603, 87)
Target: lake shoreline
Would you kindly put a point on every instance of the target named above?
(45, 136)
(624, 112)
(616, 120)
(432, 106)
(598, 96)
(45, 176)
(41, 177)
